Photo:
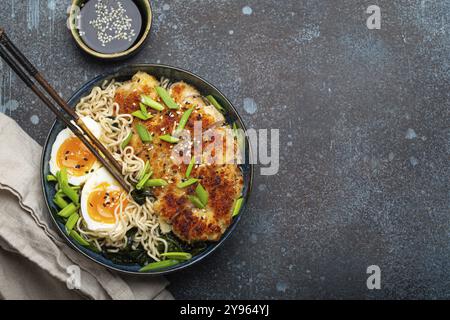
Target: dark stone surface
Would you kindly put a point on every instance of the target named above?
(365, 137)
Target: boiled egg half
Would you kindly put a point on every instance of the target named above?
(69, 152)
(101, 201)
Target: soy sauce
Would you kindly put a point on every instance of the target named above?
(109, 26)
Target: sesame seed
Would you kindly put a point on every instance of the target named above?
(112, 23)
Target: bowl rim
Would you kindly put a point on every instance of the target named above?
(117, 55)
(202, 255)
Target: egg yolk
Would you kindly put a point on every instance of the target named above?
(76, 157)
(102, 203)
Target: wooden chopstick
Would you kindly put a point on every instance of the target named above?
(16, 60)
(28, 66)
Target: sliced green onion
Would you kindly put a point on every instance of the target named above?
(238, 135)
(159, 265)
(71, 194)
(144, 111)
(76, 236)
(59, 201)
(66, 189)
(169, 139)
(215, 103)
(177, 255)
(202, 194)
(71, 222)
(190, 167)
(196, 202)
(144, 170)
(139, 114)
(237, 206)
(127, 141)
(156, 183)
(51, 178)
(143, 133)
(184, 119)
(187, 183)
(143, 181)
(235, 129)
(151, 103)
(69, 210)
(165, 96)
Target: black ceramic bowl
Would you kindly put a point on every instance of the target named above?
(123, 74)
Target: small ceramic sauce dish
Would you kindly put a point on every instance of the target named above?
(110, 29)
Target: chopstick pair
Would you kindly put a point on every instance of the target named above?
(27, 72)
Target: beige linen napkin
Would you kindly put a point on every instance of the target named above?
(34, 259)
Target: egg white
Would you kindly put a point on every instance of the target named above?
(65, 134)
(99, 177)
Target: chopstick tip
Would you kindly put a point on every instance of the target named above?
(3, 38)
